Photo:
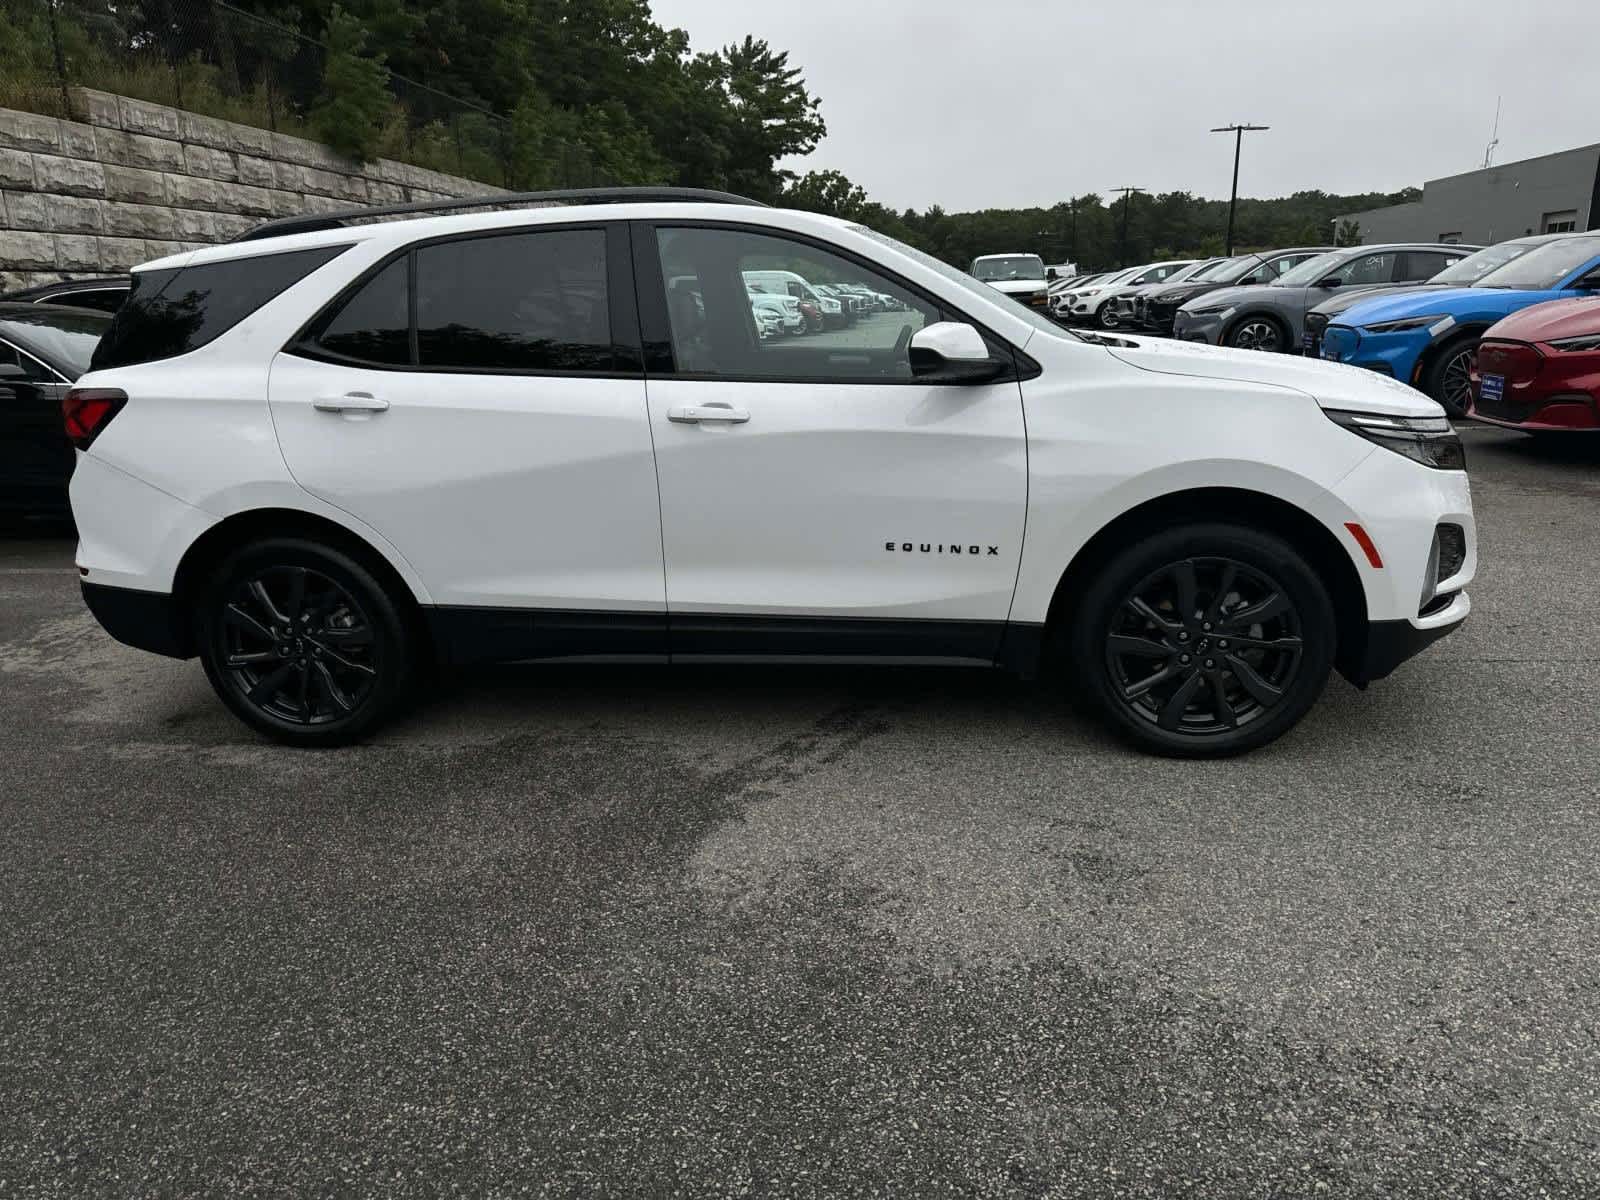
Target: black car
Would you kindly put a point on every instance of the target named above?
(1161, 306)
(103, 293)
(43, 348)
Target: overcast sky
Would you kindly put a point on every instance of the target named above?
(1005, 103)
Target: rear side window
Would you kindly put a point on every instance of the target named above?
(515, 302)
(175, 311)
(527, 301)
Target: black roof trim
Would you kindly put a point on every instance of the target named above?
(312, 222)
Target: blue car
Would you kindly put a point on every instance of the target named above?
(1427, 339)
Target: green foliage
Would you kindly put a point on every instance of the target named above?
(351, 109)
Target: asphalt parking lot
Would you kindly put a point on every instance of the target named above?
(696, 932)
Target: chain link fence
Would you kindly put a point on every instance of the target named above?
(208, 57)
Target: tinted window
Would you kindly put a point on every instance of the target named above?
(174, 311)
(1423, 264)
(100, 299)
(524, 301)
(374, 324)
(32, 369)
(718, 330)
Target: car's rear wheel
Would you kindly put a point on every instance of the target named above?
(1204, 640)
(1258, 333)
(303, 642)
(1449, 375)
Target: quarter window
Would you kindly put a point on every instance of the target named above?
(520, 302)
(754, 306)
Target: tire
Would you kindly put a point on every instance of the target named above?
(1258, 332)
(1146, 669)
(1109, 318)
(303, 643)
(1446, 378)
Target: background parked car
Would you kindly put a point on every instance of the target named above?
(1116, 307)
(1272, 316)
(1020, 276)
(1427, 339)
(1539, 369)
(1133, 306)
(103, 293)
(1463, 273)
(43, 348)
(1086, 304)
(1080, 304)
(1161, 306)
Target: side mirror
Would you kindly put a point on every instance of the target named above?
(951, 352)
(1331, 281)
(1051, 273)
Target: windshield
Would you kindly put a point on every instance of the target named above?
(1312, 269)
(1467, 271)
(1192, 271)
(1544, 266)
(1231, 269)
(1207, 270)
(64, 340)
(1009, 266)
(966, 282)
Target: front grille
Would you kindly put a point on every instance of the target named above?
(1452, 551)
(1497, 410)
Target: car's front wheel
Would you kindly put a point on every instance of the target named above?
(303, 642)
(1258, 333)
(1204, 640)
(1449, 377)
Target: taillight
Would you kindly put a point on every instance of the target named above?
(89, 410)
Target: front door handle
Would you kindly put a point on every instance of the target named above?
(690, 414)
(350, 402)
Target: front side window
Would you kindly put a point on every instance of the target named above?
(173, 311)
(708, 274)
(1368, 268)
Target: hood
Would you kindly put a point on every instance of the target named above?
(1178, 293)
(1547, 322)
(1237, 294)
(1330, 384)
(1016, 287)
(1464, 304)
(1350, 297)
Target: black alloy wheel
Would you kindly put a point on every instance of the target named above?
(1450, 378)
(1204, 645)
(1204, 640)
(303, 643)
(1257, 333)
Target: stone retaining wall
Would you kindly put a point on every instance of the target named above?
(129, 181)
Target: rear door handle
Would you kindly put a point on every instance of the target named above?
(350, 402)
(690, 414)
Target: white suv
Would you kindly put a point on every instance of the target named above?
(323, 460)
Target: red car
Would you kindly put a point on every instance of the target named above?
(1539, 369)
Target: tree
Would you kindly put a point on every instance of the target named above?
(350, 110)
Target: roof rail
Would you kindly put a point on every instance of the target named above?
(312, 222)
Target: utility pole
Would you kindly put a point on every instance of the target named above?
(1238, 132)
(1127, 197)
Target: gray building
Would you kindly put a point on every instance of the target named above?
(1549, 194)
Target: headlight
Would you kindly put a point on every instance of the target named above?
(1576, 345)
(1405, 323)
(1430, 441)
(1090, 292)
(1210, 310)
